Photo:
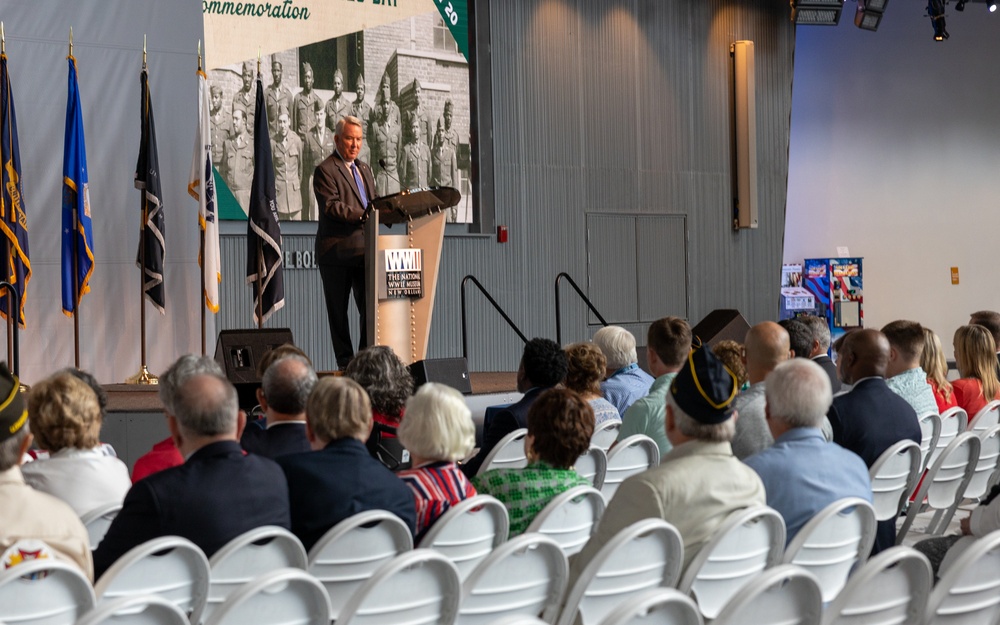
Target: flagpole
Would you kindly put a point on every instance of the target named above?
(10, 294)
(201, 255)
(260, 284)
(76, 269)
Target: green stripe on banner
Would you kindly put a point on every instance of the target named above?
(456, 15)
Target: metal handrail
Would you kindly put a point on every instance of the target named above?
(465, 332)
(586, 300)
(13, 314)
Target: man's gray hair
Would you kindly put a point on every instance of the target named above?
(207, 405)
(183, 368)
(618, 346)
(820, 330)
(798, 393)
(287, 384)
(348, 120)
(709, 433)
(10, 450)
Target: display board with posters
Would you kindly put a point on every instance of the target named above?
(401, 67)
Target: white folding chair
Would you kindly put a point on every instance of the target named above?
(352, 550)
(468, 532)
(889, 589)
(170, 566)
(593, 465)
(944, 484)
(661, 606)
(645, 555)
(44, 592)
(953, 422)
(987, 418)
(747, 542)
(420, 586)
(930, 431)
(281, 597)
(507, 454)
(836, 539)
(605, 435)
(633, 455)
(570, 518)
(248, 556)
(518, 619)
(894, 476)
(986, 465)
(969, 590)
(97, 522)
(525, 575)
(785, 594)
(135, 610)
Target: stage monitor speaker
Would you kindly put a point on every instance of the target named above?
(239, 351)
(720, 325)
(451, 371)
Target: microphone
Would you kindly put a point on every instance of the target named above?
(381, 163)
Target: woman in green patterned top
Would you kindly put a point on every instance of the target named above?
(560, 424)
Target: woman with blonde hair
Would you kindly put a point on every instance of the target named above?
(933, 363)
(586, 366)
(976, 357)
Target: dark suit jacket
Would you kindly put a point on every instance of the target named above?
(831, 370)
(503, 423)
(215, 496)
(340, 235)
(280, 440)
(342, 479)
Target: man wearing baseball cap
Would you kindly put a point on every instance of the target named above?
(699, 482)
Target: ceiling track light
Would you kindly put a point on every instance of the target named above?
(869, 14)
(816, 12)
(991, 6)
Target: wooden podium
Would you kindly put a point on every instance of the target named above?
(401, 270)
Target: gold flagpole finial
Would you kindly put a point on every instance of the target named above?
(258, 61)
(3, 40)
(144, 50)
(71, 41)
(199, 55)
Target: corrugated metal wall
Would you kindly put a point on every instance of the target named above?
(603, 108)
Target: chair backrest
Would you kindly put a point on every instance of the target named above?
(135, 610)
(97, 522)
(170, 566)
(969, 591)
(831, 543)
(644, 555)
(44, 592)
(889, 589)
(593, 465)
(930, 432)
(468, 532)
(785, 594)
(894, 476)
(747, 542)
(352, 550)
(248, 556)
(525, 575)
(419, 586)
(508, 453)
(953, 422)
(988, 417)
(281, 597)
(660, 606)
(570, 518)
(633, 455)
(986, 465)
(605, 435)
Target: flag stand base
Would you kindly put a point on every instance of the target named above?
(143, 377)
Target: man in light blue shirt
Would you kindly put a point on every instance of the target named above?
(903, 374)
(625, 382)
(802, 472)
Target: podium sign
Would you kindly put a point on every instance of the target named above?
(401, 274)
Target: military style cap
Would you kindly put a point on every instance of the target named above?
(13, 413)
(704, 388)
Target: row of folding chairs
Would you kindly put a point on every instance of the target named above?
(938, 431)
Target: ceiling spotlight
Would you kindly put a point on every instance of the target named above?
(869, 14)
(991, 6)
(935, 9)
(960, 5)
(816, 12)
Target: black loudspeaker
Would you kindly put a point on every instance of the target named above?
(238, 352)
(451, 371)
(721, 325)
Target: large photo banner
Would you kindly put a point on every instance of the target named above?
(400, 66)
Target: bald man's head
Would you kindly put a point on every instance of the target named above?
(766, 345)
(864, 354)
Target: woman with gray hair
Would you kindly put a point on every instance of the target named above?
(389, 384)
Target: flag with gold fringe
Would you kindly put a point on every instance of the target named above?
(14, 263)
(201, 186)
(78, 233)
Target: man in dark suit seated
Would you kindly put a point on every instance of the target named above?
(820, 346)
(543, 365)
(284, 390)
(339, 478)
(216, 495)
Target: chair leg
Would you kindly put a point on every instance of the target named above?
(911, 513)
(932, 528)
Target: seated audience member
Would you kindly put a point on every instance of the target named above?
(624, 381)
(766, 345)
(438, 431)
(389, 384)
(933, 362)
(799, 337)
(668, 343)
(731, 355)
(820, 346)
(989, 319)
(65, 419)
(284, 390)
(165, 454)
(543, 365)
(903, 373)
(217, 494)
(585, 366)
(256, 419)
(943, 550)
(700, 482)
(25, 513)
(560, 424)
(339, 478)
(870, 418)
(975, 355)
(803, 473)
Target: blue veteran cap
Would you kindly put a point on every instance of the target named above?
(13, 414)
(704, 388)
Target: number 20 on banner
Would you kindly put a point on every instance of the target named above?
(449, 10)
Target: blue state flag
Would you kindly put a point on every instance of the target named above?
(15, 267)
(78, 233)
